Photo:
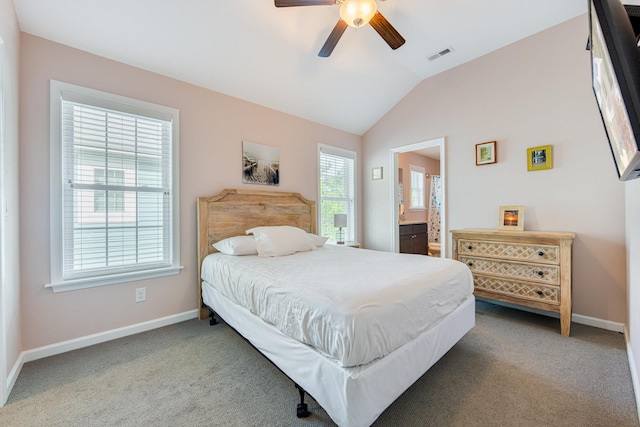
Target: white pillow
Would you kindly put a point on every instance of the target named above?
(238, 245)
(318, 240)
(281, 240)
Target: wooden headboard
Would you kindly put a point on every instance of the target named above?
(232, 212)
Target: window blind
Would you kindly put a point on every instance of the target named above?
(417, 187)
(337, 191)
(117, 186)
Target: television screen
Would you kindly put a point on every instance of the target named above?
(616, 82)
(634, 15)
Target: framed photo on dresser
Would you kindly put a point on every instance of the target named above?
(511, 218)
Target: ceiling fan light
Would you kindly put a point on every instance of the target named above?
(357, 13)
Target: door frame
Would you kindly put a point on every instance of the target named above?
(436, 142)
(4, 387)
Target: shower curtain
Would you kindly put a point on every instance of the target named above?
(435, 205)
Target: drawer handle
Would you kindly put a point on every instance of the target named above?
(540, 273)
(540, 293)
(470, 247)
(540, 254)
(470, 264)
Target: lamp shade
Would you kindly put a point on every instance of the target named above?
(339, 220)
(357, 13)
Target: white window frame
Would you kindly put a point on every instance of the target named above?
(351, 231)
(60, 91)
(417, 170)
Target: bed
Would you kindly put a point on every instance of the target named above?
(356, 363)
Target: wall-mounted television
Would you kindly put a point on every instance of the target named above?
(615, 59)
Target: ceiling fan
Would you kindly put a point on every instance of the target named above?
(353, 13)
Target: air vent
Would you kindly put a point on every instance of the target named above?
(440, 54)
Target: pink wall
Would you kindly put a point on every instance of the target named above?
(533, 92)
(10, 328)
(212, 128)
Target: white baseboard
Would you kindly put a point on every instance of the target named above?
(89, 340)
(12, 377)
(577, 318)
(74, 344)
(598, 323)
(634, 371)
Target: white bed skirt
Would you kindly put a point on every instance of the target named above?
(356, 396)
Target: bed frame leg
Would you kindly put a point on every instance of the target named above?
(302, 411)
(212, 318)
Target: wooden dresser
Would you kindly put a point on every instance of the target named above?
(529, 268)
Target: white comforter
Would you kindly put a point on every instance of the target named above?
(352, 305)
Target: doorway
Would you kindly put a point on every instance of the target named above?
(434, 148)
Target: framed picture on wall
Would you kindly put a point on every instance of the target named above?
(486, 153)
(376, 173)
(260, 164)
(539, 158)
(511, 218)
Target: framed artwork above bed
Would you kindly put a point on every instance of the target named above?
(260, 164)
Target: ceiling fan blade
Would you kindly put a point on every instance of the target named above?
(386, 31)
(333, 39)
(288, 3)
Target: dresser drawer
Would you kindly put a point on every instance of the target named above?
(529, 291)
(537, 272)
(506, 250)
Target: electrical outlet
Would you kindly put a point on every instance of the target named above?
(141, 294)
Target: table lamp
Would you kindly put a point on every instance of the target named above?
(340, 221)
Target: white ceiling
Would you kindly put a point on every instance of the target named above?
(254, 51)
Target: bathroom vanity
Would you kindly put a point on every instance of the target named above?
(413, 238)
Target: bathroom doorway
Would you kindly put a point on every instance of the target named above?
(436, 215)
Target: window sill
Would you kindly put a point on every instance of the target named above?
(346, 244)
(73, 285)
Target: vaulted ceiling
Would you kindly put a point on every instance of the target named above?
(252, 50)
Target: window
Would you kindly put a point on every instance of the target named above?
(108, 200)
(337, 180)
(417, 187)
(114, 199)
